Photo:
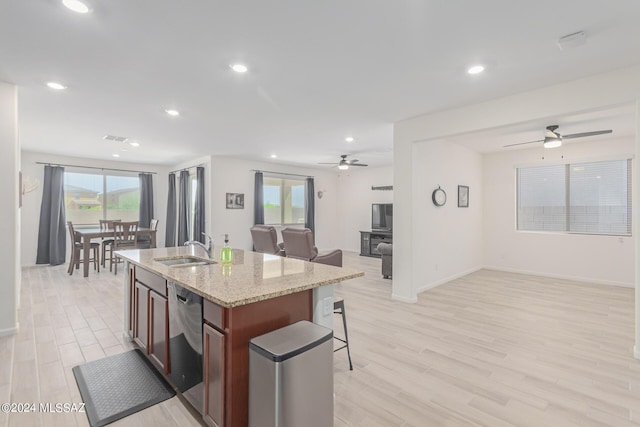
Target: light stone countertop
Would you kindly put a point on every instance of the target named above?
(251, 276)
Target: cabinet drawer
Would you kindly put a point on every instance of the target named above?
(214, 314)
(152, 280)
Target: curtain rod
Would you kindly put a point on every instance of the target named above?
(187, 168)
(92, 167)
(283, 173)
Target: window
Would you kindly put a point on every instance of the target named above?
(586, 198)
(91, 197)
(283, 201)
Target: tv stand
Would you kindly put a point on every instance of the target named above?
(369, 241)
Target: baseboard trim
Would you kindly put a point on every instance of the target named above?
(401, 298)
(9, 331)
(560, 276)
(447, 279)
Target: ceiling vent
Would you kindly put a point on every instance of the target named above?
(114, 138)
(572, 40)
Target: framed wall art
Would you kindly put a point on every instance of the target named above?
(463, 196)
(235, 200)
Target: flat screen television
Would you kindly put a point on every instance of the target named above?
(382, 216)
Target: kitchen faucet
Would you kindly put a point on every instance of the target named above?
(208, 247)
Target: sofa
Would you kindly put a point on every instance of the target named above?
(386, 250)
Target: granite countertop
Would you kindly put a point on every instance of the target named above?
(251, 276)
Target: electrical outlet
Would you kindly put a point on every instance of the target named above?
(328, 306)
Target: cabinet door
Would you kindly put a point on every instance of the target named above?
(159, 330)
(213, 376)
(365, 249)
(141, 323)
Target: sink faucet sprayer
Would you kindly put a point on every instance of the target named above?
(208, 247)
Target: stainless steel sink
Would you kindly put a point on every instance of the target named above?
(184, 261)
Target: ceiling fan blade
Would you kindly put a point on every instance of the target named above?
(359, 164)
(522, 143)
(328, 163)
(352, 161)
(582, 135)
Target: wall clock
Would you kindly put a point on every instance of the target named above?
(439, 197)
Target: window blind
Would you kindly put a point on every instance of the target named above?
(587, 198)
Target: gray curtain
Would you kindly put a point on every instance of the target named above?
(309, 206)
(258, 198)
(183, 208)
(170, 236)
(52, 240)
(146, 199)
(198, 215)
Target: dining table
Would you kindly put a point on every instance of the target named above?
(86, 234)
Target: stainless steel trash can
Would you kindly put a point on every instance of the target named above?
(291, 377)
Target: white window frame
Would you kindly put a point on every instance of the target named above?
(567, 227)
(283, 206)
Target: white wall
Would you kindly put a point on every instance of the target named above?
(31, 201)
(10, 224)
(355, 198)
(229, 175)
(447, 240)
(604, 259)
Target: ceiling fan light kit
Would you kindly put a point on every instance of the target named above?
(552, 142)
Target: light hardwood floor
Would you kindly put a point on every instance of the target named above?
(489, 349)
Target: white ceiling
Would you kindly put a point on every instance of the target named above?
(318, 70)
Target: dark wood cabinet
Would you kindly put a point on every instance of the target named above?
(214, 383)
(141, 316)
(226, 335)
(159, 330)
(369, 241)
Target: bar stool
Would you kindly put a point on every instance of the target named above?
(338, 308)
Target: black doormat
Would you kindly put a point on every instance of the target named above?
(119, 385)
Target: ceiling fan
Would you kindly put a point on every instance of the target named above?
(344, 164)
(553, 139)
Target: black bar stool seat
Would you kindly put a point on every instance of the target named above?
(338, 308)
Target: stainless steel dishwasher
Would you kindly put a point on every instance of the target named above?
(185, 343)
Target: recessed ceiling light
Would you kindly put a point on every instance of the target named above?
(134, 144)
(76, 6)
(349, 139)
(173, 113)
(476, 69)
(239, 68)
(273, 156)
(56, 86)
(116, 155)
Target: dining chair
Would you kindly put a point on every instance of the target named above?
(144, 242)
(125, 236)
(76, 251)
(107, 242)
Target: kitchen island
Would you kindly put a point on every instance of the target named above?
(254, 294)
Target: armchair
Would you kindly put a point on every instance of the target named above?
(265, 240)
(386, 250)
(298, 243)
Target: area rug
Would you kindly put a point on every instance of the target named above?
(120, 385)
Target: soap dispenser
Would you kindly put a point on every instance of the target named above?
(226, 253)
